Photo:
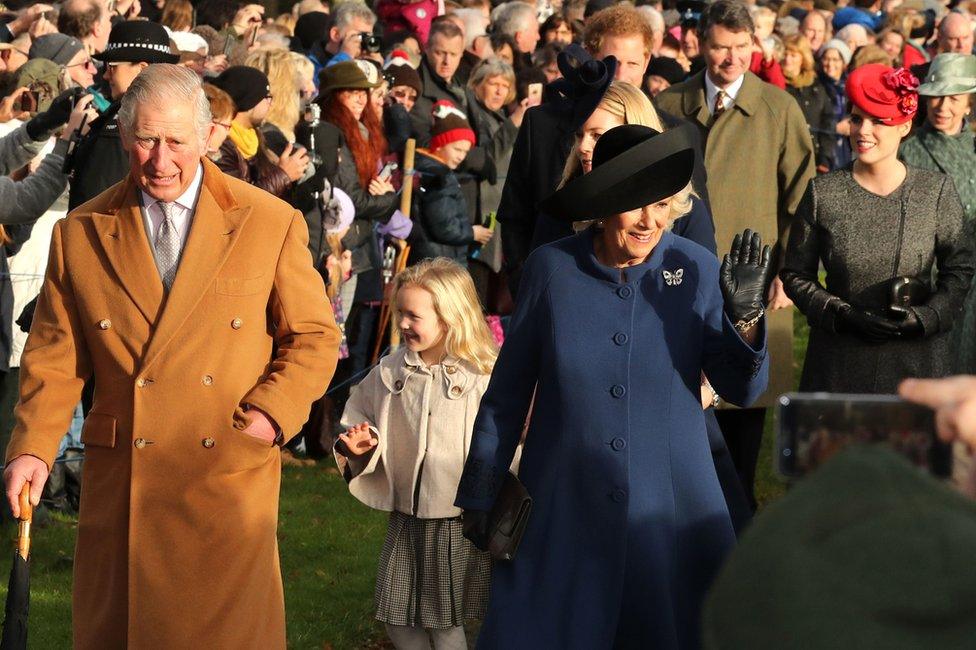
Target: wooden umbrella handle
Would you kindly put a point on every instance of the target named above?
(26, 515)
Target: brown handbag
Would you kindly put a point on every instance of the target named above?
(507, 519)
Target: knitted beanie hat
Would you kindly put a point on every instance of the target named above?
(401, 73)
(247, 86)
(450, 125)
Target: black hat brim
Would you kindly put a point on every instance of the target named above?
(136, 55)
(646, 173)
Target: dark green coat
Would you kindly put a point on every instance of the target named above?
(954, 155)
(759, 158)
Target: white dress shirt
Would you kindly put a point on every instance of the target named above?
(711, 90)
(183, 208)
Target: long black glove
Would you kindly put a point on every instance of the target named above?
(745, 276)
(909, 325)
(866, 325)
(41, 126)
(474, 526)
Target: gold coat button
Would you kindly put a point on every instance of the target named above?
(141, 383)
(139, 443)
(455, 390)
(207, 380)
(236, 323)
(104, 324)
(451, 370)
(209, 442)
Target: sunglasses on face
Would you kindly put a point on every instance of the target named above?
(88, 63)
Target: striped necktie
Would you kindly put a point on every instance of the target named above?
(167, 246)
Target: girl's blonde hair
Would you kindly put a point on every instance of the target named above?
(466, 335)
(632, 106)
(283, 79)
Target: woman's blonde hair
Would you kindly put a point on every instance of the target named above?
(626, 102)
(466, 335)
(283, 78)
(801, 45)
(632, 106)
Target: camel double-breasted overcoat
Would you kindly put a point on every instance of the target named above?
(177, 539)
(759, 158)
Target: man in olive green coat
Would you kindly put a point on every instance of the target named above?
(759, 159)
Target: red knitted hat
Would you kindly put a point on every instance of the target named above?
(450, 125)
(886, 94)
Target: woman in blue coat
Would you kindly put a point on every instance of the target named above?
(613, 329)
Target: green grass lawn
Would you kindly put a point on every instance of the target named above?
(329, 546)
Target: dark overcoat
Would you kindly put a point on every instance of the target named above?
(628, 524)
(863, 241)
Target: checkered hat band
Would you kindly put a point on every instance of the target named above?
(147, 46)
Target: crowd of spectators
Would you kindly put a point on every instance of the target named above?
(411, 129)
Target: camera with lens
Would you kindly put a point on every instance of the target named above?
(371, 43)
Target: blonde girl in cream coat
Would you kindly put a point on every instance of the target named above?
(408, 430)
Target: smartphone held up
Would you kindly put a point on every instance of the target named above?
(812, 427)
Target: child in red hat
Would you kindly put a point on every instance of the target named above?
(442, 211)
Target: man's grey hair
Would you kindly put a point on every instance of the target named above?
(653, 17)
(349, 11)
(852, 32)
(512, 17)
(165, 84)
(474, 24)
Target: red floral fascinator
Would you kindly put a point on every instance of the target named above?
(887, 94)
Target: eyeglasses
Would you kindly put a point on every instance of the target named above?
(226, 125)
(88, 63)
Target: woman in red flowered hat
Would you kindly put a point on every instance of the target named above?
(892, 241)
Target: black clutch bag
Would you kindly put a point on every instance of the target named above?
(905, 292)
(507, 519)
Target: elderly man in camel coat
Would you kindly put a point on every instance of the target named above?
(190, 299)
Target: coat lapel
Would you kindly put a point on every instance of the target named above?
(693, 101)
(750, 94)
(123, 237)
(217, 224)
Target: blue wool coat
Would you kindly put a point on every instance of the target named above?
(628, 525)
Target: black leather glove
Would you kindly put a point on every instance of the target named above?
(909, 325)
(745, 276)
(866, 325)
(474, 526)
(41, 126)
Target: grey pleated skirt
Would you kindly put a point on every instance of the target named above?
(430, 575)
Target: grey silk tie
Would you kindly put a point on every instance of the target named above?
(167, 246)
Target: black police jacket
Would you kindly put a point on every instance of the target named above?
(99, 161)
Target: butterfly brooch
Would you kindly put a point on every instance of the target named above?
(673, 278)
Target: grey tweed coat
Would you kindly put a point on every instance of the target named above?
(863, 240)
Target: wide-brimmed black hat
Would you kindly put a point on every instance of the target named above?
(584, 82)
(137, 41)
(633, 166)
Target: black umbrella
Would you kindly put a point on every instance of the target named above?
(18, 589)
